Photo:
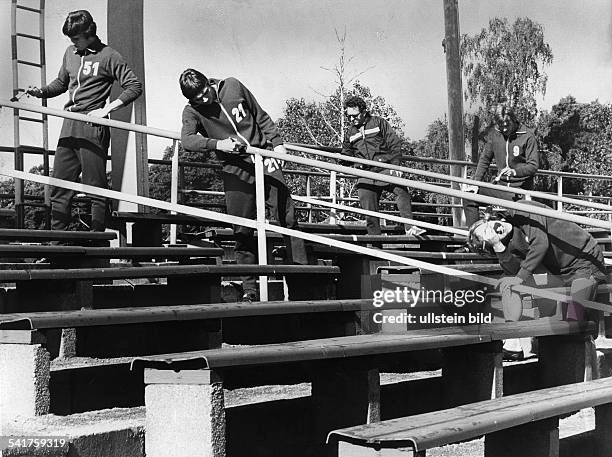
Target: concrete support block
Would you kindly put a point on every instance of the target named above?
(185, 414)
(535, 439)
(24, 381)
(68, 343)
(472, 373)
(343, 395)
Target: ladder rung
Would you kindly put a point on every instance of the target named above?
(25, 149)
(31, 119)
(25, 35)
(27, 8)
(32, 64)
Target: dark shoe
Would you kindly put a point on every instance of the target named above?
(280, 252)
(512, 356)
(249, 297)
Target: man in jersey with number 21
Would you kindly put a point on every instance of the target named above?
(223, 115)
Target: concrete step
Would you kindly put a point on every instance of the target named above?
(115, 432)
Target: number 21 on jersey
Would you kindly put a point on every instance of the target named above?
(239, 113)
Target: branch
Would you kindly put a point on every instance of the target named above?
(303, 119)
(333, 130)
(359, 74)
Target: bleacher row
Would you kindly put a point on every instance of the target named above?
(93, 333)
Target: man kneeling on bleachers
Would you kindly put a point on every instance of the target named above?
(524, 242)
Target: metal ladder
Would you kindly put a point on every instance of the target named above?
(18, 90)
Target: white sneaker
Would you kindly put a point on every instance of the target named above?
(415, 231)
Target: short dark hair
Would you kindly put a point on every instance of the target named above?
(506, 109)
(77, 22)
(355, 101)
(192, 82)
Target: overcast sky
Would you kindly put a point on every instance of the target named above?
(277, 48)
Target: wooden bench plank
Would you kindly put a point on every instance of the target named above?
(228, 235)
(165, 218)
(132, 315)
(328, 250)
(320, 349)
(165, 271)
(25, 251)
(426, 431)
(54, 235)
(470, 268)
(152, 251)
(363, 345)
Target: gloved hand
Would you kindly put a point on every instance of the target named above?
(34, 91)
(469, 188)
(230, 145)
(505, 284)
(507, 171)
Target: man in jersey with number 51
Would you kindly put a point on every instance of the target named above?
(223, 115)
(89, 69)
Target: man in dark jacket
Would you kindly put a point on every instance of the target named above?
(372, 138)
(515, 149)
(223, 115)
(524, 242)
(89, 69)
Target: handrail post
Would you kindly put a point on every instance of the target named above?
(464, 174)
(560, 192)
(333, 184)
(174, 186)
(308, 194)
(260, 200)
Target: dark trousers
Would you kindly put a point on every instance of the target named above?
(470, 207)
(240, 201)
(83, 155)
(589, 272)
(369, 197)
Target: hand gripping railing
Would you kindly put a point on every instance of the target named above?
(261, 224)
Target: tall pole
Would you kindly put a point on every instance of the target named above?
(125, 30)
(455, 100)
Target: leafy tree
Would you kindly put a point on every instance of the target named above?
(434, 146)
(194, 177)
(578, 137)
(506, 61)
